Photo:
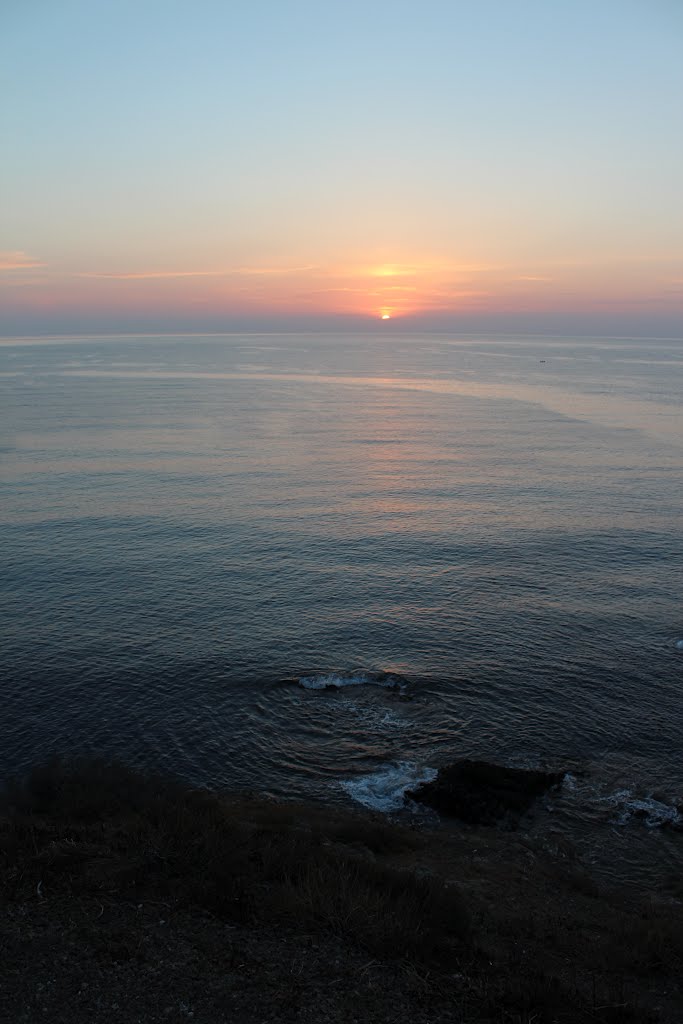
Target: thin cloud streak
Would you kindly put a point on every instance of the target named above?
(153, 275)
(18, 260)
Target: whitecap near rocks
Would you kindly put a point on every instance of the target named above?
(652, 812)
(385, 789)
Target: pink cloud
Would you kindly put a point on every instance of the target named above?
(149, 275)
(18, 260)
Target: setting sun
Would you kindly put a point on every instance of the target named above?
(386, 316)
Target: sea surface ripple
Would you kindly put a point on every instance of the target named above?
(188, 523)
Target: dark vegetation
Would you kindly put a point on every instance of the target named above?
(128, 833)
(132, 898)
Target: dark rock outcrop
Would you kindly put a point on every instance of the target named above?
(484, 794)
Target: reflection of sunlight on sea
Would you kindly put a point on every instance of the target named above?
(660, 420)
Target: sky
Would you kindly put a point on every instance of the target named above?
(498, 165)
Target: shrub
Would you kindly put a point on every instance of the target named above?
(90, 823)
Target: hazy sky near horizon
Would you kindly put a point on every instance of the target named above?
(509, 164)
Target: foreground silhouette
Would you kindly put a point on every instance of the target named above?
(130, 898)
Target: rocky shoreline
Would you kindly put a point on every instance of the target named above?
(482, 793)
(128, 898)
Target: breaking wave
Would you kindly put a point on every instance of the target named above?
(385, 790)
(335, 681)
(653, 813)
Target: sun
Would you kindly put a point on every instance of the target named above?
(386, 316)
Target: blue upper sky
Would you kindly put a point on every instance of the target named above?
(450, 163)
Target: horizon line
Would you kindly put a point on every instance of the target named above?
(104, 335)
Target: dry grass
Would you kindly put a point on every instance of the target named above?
(101, 827)
(532, 945)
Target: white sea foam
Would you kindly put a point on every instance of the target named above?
(384, 790)
(679, 645)
(654, 813)
(334, 679)
(372, 716)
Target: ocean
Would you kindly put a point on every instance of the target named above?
(202, 535)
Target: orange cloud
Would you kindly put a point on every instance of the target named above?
(18, 260)
(359, 284)
(153, 275)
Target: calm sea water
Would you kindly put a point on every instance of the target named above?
(187, 522)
